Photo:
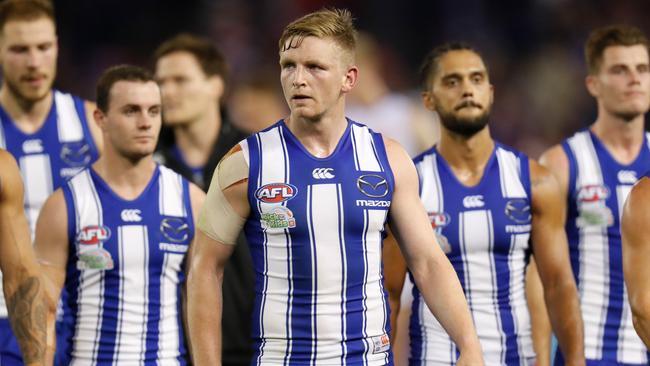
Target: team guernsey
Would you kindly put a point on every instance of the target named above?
(485, 231)
(598, 186)
(125, 270)
(315, 230)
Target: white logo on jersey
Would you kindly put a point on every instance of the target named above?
(33, 146)
(131, 215)
(322, 173)
(627, 176)
(473, 201)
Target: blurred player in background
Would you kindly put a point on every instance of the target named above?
(486, 202)
(596, 169)
(191, 73)
(116, 235)
(50, 133)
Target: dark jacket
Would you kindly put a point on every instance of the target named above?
(239, 278)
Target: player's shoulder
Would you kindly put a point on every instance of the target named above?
(432, 151)
(555, 158)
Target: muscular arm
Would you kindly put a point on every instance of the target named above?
(552, 259)
(206, 266)
(22, 284)
(541, 327)
(432, 272)
(635, 228)
(51, 245)
(394, 273)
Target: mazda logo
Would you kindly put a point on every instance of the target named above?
(518, 210)
(372, 185)
(175, 229)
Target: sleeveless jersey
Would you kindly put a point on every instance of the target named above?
(125, 270)
(315, 231)
(598, 186)
(485, 231)
(48, 157)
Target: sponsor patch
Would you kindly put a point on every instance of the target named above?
(175, 229)
(372, 185)
(278, 218)
(95, 258)
(518, 210)
(592, 207)
(380, 343)
(76, 154)
(373, 203)
(93, 235)
(176, 248)
(439, 219)
(443, 242)
(276, 192)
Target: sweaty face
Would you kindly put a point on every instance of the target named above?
(622, 84)
(461, 92)
(28, 52)
(132, 122)
(314, 77)
(187, 92)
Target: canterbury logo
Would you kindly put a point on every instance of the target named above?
(322, 173)
(473, 201)
(33, 146)
(627, 176)
(131, 215)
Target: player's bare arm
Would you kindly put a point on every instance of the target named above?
(51, 246)
(213, 246)
(432, 272)
(635, 230)
(23, 287)
(552, 258)
(540, 325)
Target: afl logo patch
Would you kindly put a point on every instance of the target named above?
(93, 235)
(276, 192)
(593, 193)
(439, 219)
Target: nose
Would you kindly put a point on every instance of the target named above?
(467, 89)
(146, 121)
(298, 77)
(34, 58)
(635, 77)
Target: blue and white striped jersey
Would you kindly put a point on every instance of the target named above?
(124, 270)
(598, 186)
(48, 157)
(485, 231)
(315, 230)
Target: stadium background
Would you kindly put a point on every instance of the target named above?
(534, 49)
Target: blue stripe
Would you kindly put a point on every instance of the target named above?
(573, 234)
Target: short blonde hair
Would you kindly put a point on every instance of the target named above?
(324, 23)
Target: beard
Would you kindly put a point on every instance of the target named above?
(464, 126)
(15, 89)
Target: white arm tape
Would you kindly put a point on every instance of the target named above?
(218, 220)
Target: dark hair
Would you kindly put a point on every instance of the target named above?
(118, 73)
(25, 10)
(429, 66)
(206, 53)
(613, 35)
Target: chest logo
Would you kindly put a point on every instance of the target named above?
(592, 193)
(276, 192)
(592, 207)
(175, 229)
(372, 185)
(76, 154)
(627, 177)
(473, 201)
(440, 220)
(518, 210)
(131, 215)
(33, 146)
(278, 218)
(323, 173)
(91, 254)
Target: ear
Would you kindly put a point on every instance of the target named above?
(350, 79)
(217, 86)
(427, 99)
(100, 119)
(593, 85)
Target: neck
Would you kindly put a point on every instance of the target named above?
(623, 139)
(467, 156)
(319, 137)
(28, 115)
(126, 177)
(196, 139)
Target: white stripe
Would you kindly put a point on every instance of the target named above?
(275, 304)
(3, 141)
(517, 295)
(168, 341)
(594, 254)
(431, 190)
(511, 186)
(134, 286)
(90, 292)
(36, 171)
(68, 122)
(244, 147)
(171, 198)
(364, 148)
(324, 211)
(476, 238)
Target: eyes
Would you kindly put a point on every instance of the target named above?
(624, 69)
(311, 66)
(452, 81)
(21, 49)
(134, 110)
